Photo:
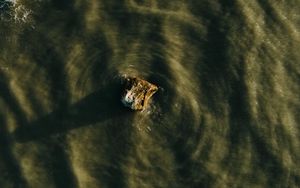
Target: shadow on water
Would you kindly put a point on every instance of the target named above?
(42, 49)
(101, 105)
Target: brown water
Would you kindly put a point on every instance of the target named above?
(226, 115)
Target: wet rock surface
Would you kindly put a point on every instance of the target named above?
(137, 93)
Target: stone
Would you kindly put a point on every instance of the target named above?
(137, 93)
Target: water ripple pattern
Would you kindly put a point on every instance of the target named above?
(226, 113)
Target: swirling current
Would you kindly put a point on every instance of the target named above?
(227, 112)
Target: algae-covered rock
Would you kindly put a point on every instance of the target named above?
(137, 93)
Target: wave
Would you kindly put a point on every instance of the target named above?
(226, 113)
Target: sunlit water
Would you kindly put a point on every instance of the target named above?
(226, 113)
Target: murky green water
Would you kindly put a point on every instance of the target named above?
(226, 115)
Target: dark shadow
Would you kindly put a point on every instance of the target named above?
(101, 105)
(52, 60)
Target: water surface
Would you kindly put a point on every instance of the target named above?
(226, 114)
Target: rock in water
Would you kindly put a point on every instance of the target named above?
(137, 93)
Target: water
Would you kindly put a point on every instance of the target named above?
(226, 113)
